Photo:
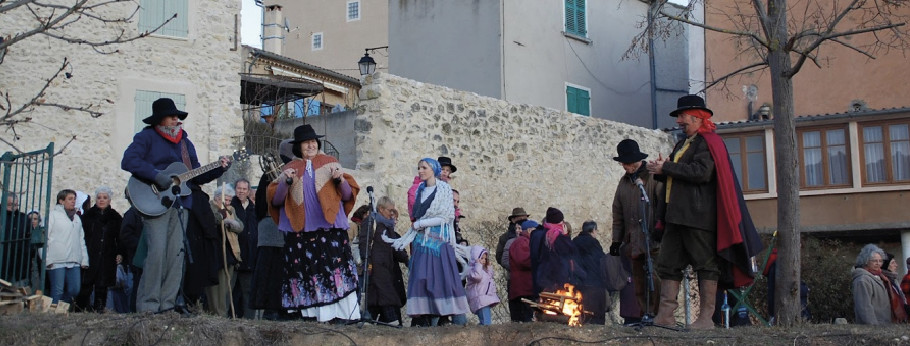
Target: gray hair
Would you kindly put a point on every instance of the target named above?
(105, 190)
(228, 190)
(385, 201)
(866, 254)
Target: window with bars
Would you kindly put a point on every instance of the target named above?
(749, 159)
(576, 17)
(144, 100)
(153, 13)
(317, 41)
(353, 10)
(825, 158)
(886, 152)
(578, 100)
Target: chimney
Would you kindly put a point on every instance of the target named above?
(272, 29)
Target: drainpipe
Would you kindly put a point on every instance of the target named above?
(651, 65)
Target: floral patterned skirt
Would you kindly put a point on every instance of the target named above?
(319, 269)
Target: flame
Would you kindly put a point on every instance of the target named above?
(566, 302)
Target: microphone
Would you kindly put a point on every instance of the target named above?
(370, 192)
(644, 195)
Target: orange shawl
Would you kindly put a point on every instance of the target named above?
(328, 194)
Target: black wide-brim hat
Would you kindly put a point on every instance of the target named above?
(690, 102)
(445, 161)
(304, 132)
(161, 108)
(628, 152)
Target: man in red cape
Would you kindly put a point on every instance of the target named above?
(706, 221)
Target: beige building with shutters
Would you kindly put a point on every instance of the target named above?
(192, 60)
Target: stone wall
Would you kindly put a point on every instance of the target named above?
(507, 155)
(203, 67)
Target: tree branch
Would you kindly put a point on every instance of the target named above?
(736, 72)
(715, 29)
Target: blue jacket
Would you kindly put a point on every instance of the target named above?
(150, 153)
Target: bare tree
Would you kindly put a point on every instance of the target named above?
(781, 44)
(62, 21)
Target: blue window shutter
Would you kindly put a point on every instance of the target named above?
(153, 13)
(313, 108)
(583, 100)
(580, 20)
(575, 17)
(578, 101)
(299, 110)
(144, 100)
(571, 95)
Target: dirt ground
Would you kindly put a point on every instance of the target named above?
(172, 329)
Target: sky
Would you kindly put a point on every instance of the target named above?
(251, 22)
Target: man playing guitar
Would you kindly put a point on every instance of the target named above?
(153, 149)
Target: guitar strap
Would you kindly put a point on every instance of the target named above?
(186, 154)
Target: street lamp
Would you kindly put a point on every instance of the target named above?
(367, 64)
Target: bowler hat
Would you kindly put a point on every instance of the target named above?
(162, 108)
(628, 152)
(690, 102)
(445, 161)
(518, 212)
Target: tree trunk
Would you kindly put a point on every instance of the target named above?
(787, 301)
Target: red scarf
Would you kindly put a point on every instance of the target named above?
(171, 133)
(554, 230)
(707, 125)
(898, 314)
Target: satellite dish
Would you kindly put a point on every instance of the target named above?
(751, 92)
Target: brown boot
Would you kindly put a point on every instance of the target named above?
(707, 295)
(668, 303)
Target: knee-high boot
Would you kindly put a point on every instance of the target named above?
(707, 297)
(669, 289)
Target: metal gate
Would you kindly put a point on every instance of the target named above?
(25, 194)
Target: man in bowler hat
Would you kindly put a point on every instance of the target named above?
(707, 223)
(628, 236)
(154, 148)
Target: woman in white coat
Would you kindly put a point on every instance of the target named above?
(66, 252)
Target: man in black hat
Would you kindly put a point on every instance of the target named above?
(628, 236)
(153, 149)
(518, 216)
(707, 223)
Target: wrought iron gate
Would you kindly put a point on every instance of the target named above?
(25, 190)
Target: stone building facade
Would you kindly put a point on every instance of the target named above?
(508, 155)
(198, 65)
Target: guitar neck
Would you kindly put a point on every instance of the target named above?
(186, 176)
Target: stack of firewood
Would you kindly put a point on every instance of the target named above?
(15, 299)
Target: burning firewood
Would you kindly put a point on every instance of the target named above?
(566, 302)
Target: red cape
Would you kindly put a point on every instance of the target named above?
(737, 239)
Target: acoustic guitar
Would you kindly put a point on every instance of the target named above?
(149, 200)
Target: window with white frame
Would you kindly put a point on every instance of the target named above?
(152, 13)
(578, 100)
(576, 17)
(886, 152)
(825, 157)
(747, 154)
(144, 100)
(317, 41)
(353, 10)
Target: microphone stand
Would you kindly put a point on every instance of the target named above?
(370, 229)
(647, 319)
